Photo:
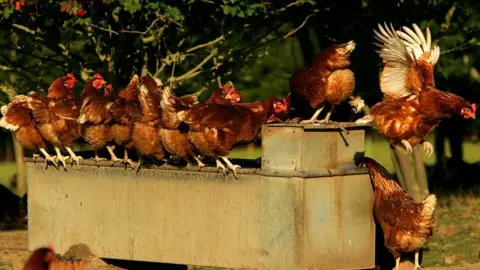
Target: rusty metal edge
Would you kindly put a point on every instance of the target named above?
(346, 125)
(210, 169)
(319, 173)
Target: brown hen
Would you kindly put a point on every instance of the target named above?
(95, 117)
(214, 129)
(125, 111)
(41, 259)
(17, 117)
(56, 116)
(326, 81)
(412, 105)
(146, 132)
(225, 95)
(407, 225)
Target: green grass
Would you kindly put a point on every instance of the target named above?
(456, 237)
(6, 171)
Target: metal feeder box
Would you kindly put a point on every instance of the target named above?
(307, 207)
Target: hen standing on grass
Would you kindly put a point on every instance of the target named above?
(327, 81)
(413, 106)
(406, 224)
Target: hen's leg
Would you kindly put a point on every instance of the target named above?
(327, 117)
(231, 166)
(200, 164)
(417, 264)
(97, 158)
(408, 147)
(126, 159)
(60, 157)
(220, 166)
(314, 117)
(427, 147)
(48, 158)
(113, 157)
(397, 263)
(74, 157)
(35, 156)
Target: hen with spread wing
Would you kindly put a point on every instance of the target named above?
(407, 225)
(412, 105)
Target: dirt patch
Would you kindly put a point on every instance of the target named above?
(14, 252)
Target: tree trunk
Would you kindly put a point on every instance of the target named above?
(413, 179)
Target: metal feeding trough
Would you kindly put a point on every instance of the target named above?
(307, 207)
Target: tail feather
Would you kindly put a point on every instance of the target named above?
(429, 204)
(169, 114)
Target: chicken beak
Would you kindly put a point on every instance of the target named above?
(350, 46)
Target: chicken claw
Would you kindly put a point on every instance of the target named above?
(74, 157)
(113, 157)
(60, 157)
(417, 264)
(49, 158)
(408, 147)
(97, 158)
(397, 263)
(200, 164)
(427, 147)
(313, 119)
(231, 166)
(220, 166)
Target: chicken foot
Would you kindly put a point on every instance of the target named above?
(113, 157)
(417, 264)
(397, 263)
(231, 166)
(74, 157)
(97, 158)
(60, 157)
(48, 158)
(220, 166)
(408, 147)
(427, 147)
(200, 164)
(313, 119)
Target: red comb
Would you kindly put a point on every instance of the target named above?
(109, 86)
(50, 246)
(98, 76)
(474, 107)
(70, 75)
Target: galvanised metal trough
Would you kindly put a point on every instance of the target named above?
(306, 207)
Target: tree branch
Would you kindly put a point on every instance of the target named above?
(195, 71)
(300, 27)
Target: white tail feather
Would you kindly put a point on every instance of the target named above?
(4, 124)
